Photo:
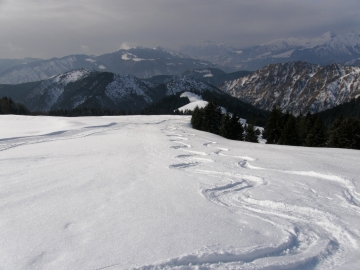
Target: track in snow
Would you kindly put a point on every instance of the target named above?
(314, 238)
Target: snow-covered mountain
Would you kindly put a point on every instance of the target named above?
(9, 63)
(325, 49)
(297, 86)
(44, 69)
(140, 62)
(95, 89)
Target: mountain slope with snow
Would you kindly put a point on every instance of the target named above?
(118, 192)
(86, 88)
(140, 62)
(325, 49)
(297, 86)
(44, 69)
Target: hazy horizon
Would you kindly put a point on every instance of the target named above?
(48, 28)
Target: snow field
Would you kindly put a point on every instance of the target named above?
(150, 192)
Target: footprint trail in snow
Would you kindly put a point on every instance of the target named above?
(313, 238)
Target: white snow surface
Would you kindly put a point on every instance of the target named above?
(150, 192)
(195, 101)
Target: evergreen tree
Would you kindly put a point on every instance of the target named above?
(334, 133)
(217, 120)
(345, 134)
(236, 131)
(272, 130)
(290, 134)
(250, 134)
(209, 118)
(225, 126)
(317, 137)
(305, 124)
(196, 119)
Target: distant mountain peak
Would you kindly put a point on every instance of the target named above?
(328, 35)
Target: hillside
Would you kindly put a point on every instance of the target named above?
(297, 86)
(88, 88)
(118, 192)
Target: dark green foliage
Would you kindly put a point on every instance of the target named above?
(334, 133)
(196, 119)
(225, 125)
(305, 124)
(250, 134)
(317, 137)
(348, 109)
(8, 106)
(290, 133)
(311, 131)
(211, 119)
(273, 126)
(236, 131)
(243, 110)
(345, 133)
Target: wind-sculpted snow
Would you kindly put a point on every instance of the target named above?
(150, 192)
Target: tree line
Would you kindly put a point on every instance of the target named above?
(310, 130)
(8, 106)
(212, 119)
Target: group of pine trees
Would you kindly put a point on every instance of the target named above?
(309, 130)
(212, 119)
(8, 106)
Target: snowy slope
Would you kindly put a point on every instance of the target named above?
(195, 101)
(149, 192)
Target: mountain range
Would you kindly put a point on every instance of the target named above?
(95, 89)
(297, 87)
(139, 61)
(326, 49)
(148, 62)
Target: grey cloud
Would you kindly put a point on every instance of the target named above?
(46, 28)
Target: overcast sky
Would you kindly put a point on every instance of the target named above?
(54, 28)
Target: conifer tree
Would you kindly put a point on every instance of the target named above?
(334, 133)
(209, 118)
(225, 125)
(290, 134)
(250, 134)
(272, 130)
(346, 135)
(197, 117)
(236, 131)
(305, 124)
(317, 137)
